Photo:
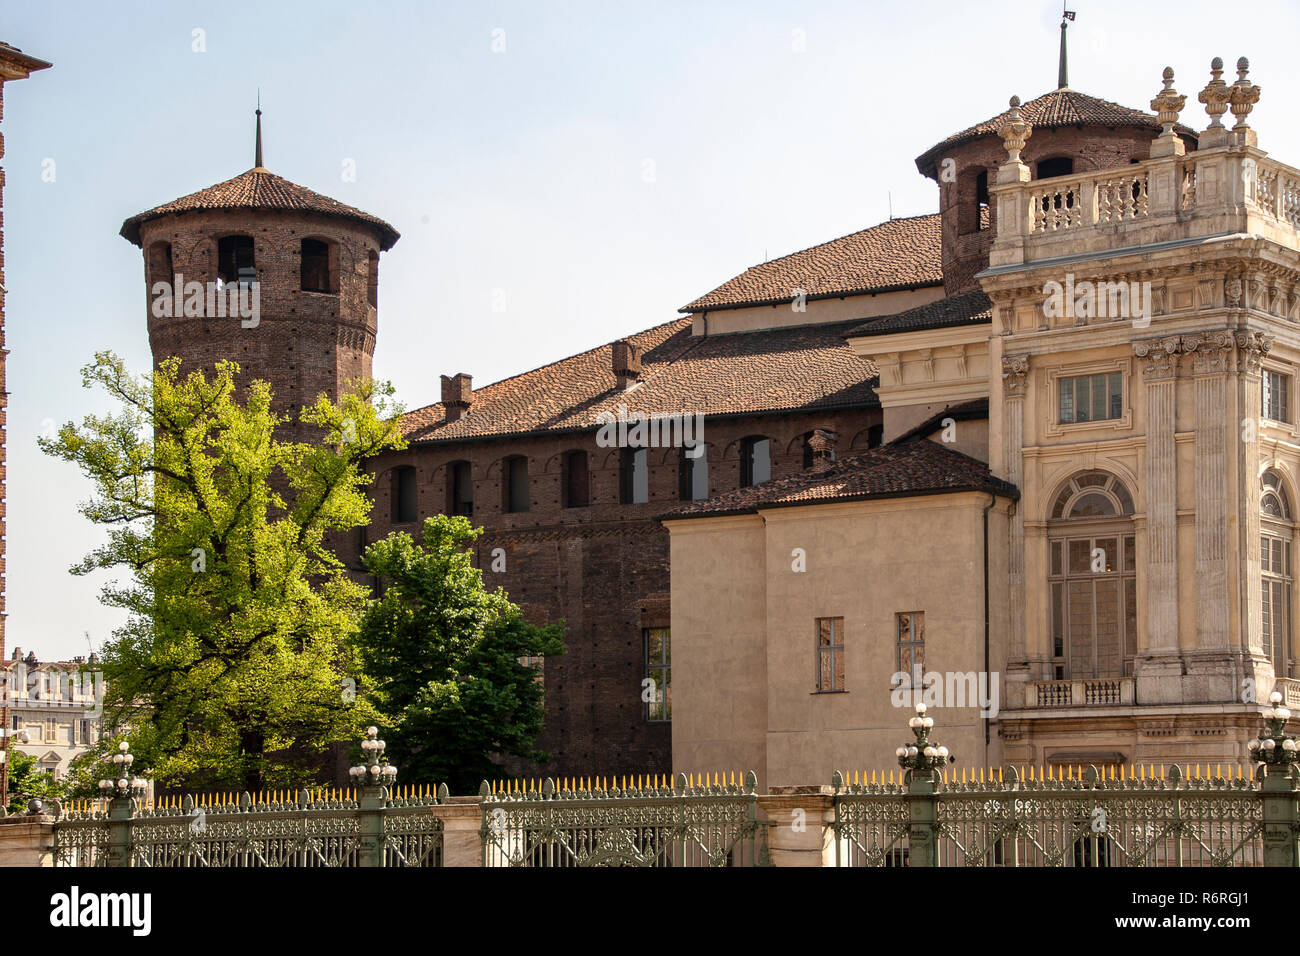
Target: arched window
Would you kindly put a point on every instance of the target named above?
(514, 484)
(575, 480)
(693, 471)
(1092, 577)
(1055, 166)
(634, 476)
(235, 259)
(405, 498)
(1276, 533)
(320, 266)
(372, 278)
(160, 263)
(460, 488)
(755, 460)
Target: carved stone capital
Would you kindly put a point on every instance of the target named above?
(1160, 355)
(1015, 371)
(1251, 349)
(1211, 351)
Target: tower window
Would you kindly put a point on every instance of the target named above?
(405, 508)
(1055, 166)
(575, 480)
(514, 484)
(160, 262)
(755, 461)
(235, 259)
(319, 266)
(372, 278)
(460, 489)
(982, 199)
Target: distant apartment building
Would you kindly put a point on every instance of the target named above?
(53, 707)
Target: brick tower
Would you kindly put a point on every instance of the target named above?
(267, 273)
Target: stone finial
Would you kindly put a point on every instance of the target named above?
(1244, 95)
(457, 395)
(1216, 94)
(1168, 103)
(1014, 131)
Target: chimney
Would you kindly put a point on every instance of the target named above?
(822, 443)
(17, 654)
(457, 395)
(627, 364)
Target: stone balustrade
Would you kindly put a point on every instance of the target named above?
(1097, 692)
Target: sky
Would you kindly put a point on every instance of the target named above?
(563, 174)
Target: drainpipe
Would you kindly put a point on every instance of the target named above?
(993, 499)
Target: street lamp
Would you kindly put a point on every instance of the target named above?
(923, 755)
(122, 784)
(374, 769)
(1274, 747)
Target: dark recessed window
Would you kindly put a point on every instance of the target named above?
(405, 507)
(319, 271)
(1055, 166)
(693, 472)
(755, 461)
(372, 278)
(634, 477)
(460, 488)
(235, 259)
(514, 484)
(575, 480)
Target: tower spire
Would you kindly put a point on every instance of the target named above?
(1062, 69)
(256, 161)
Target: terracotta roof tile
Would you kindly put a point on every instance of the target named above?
(786, 369)
(898, 254)
(1063, 107)
(971, 308)
(259, 189)
(889, 471)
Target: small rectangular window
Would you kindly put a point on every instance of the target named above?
(1276, 394)
(405, 496)
(830, 654)
(577, 481)
(693, 472)
(460, 499)
(909, 626)
(515, 480)
(657, 688)
(1090, 398)
(635, 476)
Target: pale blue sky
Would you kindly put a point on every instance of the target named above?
(521, 171)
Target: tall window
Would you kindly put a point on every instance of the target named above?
(657, 689)
(1091, 398)
(514, 484)
(755, 460)
(160, 263)
(1277, 396)
(909, 644)
(460, 488)
(982, 199)
(693, 472)
(372, 278)
(634, 476)
(1092, 579)
(319, 271)
(1275, 566)
(830, 654)
(405, 507)
(235, 259)
(576, 480)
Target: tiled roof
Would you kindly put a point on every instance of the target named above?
(889, 471)
(1063, 107)
(786, 369)
(976, 408)
(898, 254)
(262, 190)
(970, 308)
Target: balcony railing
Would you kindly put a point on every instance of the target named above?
(1096, 692)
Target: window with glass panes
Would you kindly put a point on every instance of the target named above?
(1093, 583)
(1091, 398)
(909, 630)
(830, 654)
(658, 671)
(1276, 389)
(1276, 572)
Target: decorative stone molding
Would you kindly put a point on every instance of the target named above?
(1161, 356)
(1251, 349)
(1015, 131)
(1015, 371)
(1210, 351)
(1216, 94)
(1232, 292)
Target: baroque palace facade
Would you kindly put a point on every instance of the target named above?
(913, 453)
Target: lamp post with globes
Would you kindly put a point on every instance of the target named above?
(922, 759)
(1274, 747)
(121, 790)
(373, 775)
(1275, 753)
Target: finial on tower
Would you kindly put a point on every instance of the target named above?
(257, 152)
(1062, 70)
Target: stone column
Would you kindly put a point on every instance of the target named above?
(1251, 348)
(1159, 666)
(1015, 374)
(800, 833)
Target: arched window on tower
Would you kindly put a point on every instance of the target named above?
(160, 263)
(235, 259)
(1058, 166)
(1277, 530)
(1092, 579)
(982, 199)
(372, 278)
(320, 266)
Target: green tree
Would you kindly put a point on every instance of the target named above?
(445, 655)
(27, 779)
(233, 666)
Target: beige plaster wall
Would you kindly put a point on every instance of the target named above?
(719, 321)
